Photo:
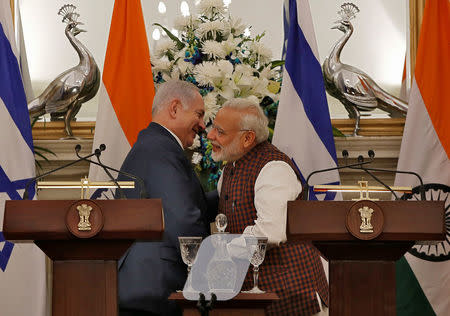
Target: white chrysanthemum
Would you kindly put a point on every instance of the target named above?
(161, 64)
(262, 52)
(236, 26)
(209, 7)
(210, 27)
(182, 23)
(213, 49)
(163, 47)
(206, 73)
(211, 106)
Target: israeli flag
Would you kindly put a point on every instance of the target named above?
(303, 127)
(22, 281)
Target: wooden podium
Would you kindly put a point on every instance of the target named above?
(362, 263)
(84, 238)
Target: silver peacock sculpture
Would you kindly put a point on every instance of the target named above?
(66, 93)
(354, 88)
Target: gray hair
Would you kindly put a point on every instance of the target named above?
(185, 91)
(254, 119)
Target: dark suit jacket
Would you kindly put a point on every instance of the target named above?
(150, 271)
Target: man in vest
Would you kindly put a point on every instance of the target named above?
(254, 188)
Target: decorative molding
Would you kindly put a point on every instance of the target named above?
(85, 130)
(55, 130)
(372, 127)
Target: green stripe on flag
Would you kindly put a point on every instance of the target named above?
(411, 301)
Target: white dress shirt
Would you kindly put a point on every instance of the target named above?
(276, 184)
(173, 134)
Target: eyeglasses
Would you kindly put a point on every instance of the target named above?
(221, 132)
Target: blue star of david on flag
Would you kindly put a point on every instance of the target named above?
(303, 127)
(16, 156)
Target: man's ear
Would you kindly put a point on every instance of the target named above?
(174, 107)
(249, 139)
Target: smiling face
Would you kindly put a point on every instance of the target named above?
(189, 121)
(229, 141)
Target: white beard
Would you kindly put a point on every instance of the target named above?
(228, 153)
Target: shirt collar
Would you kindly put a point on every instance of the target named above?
(175, 136)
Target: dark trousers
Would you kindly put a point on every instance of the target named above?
(133, 312)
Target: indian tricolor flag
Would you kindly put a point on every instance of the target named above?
(423, 279)
(127, 90)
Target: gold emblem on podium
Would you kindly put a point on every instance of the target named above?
(84, 218)
(366, 215)
(84, 211)
(365, 220)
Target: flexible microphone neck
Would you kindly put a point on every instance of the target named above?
(97, 153)
(361, 165)
(307, 186)
(25, 193)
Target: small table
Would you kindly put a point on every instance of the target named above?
(242, 304)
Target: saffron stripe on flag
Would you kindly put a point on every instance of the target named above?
(127, 74)
(432, 75)
(127, 89)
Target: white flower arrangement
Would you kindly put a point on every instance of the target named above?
(214, 53)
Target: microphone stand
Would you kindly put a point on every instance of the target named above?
(25, 193)
(366, 170)
(306, 186)
(97, 153)
(360, 165)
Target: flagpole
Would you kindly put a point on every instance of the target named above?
(11, 4)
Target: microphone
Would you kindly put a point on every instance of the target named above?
(25, 193)
(97, 153)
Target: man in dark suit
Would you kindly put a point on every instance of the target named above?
(150, 271)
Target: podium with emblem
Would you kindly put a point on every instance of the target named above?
(84, 239)
(361, 241)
